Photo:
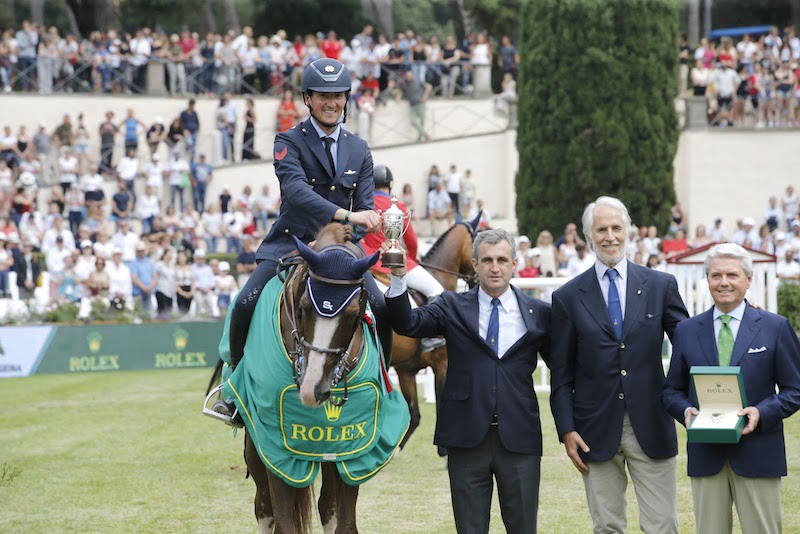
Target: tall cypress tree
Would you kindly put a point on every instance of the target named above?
(596, 89)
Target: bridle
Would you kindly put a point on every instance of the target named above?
(347, 357)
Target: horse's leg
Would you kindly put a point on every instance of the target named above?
(408, 386)
(345, 506)
(292, 506)
(263, 503)
(327, 498)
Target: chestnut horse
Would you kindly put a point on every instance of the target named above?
(448, 260)
(327, 346)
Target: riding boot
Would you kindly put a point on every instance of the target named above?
(237, 340)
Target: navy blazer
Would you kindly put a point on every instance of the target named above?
(596, 378)
(768, 352)
(480, 385)
(310, 193)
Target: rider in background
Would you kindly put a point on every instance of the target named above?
(417, 278)
(325, 175)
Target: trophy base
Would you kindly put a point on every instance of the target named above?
(392, 259)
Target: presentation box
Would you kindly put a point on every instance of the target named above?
(720, 396)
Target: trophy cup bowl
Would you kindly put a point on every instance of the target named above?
(393, 229)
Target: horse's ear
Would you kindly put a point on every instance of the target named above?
(306, 252)
(361, 266)
(476, 221)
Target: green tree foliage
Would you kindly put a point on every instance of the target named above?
(300, 17)
(498, 17)
(596, 111)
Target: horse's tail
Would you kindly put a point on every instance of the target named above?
(304, 510)
(215, 377)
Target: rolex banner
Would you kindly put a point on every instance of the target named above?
(720, 396)
(28, 350)
(292, 439)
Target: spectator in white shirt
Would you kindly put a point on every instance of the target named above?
(581, 262)
(773, 214)
(125, 240)
(128, 170)
(67, 168)
(454, 190)
(58, 229)
(177, 168)
(148, 207)
(120, 289)
(789, 201)
(154, 174)
(787, 268)
(212, 226)
(205, 285)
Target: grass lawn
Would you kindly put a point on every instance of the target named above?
(130, 452)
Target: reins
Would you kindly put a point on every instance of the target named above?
(348, 358)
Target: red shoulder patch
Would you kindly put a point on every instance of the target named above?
(282, 154)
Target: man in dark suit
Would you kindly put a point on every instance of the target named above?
(325, 173)
(765, 346)
(488, 416)
(606, 375)
(28, 267)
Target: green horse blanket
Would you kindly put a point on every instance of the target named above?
(292, 439)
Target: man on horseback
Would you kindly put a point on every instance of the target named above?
(417, 278)
(325, 175)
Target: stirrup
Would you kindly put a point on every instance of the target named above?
(227, 419)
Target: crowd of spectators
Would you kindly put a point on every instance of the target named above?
(758, 75)
(35, 58)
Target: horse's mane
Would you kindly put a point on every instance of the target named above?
(336, 234)
(438, 244)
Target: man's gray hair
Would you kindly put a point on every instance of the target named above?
(493, 237)
(730, 251)
(588, 216)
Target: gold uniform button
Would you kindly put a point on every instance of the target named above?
(333, 188)
(313, 180)
(285, 230)
(621, 396)
(624, 372)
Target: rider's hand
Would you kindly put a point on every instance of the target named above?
(369, 219)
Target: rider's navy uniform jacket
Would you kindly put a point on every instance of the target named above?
(310, 192)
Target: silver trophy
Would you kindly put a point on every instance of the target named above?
(393, 228)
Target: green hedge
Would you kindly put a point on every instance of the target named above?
(789, 303)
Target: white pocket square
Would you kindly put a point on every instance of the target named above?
(753, 351)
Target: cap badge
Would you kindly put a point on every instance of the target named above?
(329, 68)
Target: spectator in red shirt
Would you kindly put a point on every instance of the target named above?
(331, 46)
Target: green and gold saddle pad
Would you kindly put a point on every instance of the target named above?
(292, 439)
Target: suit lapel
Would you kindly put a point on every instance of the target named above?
(705, 336)
(342, 154)
(316, 145)
(526, 312)
(744, 337)
(592, 299)
(635, 294)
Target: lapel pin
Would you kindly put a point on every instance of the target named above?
(530, 310)
(649, 315)
(349, 171)
(304, 130)
(639, 292)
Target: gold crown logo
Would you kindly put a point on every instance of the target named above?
(95, 341)
(181, 339)
(332, 412)
(719, 384)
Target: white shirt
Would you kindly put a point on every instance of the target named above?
(119, 280)
(176, 168)
(211, 223)
(128, 168)
(454, 183)
(787, 268)
(155, 175)
(126, 243)
(512, 326)
(622, 281)
(68, 167)
(148, 206)
(576, 265)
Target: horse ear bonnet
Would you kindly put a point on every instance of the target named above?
(337, 264)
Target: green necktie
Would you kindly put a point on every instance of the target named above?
(725, 341)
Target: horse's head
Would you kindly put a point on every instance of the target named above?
(325, 304)
(450, 257)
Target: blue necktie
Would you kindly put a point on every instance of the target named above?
(493, 330)
(614, 306)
